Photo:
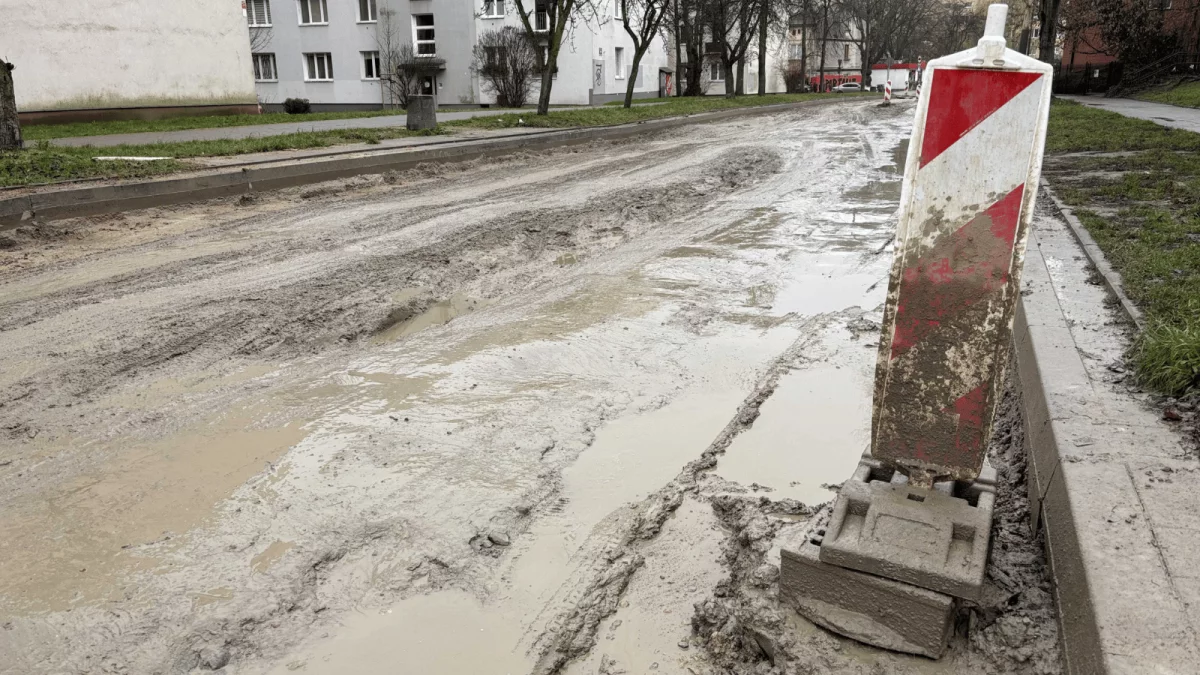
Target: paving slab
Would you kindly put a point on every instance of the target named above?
(1120, 538)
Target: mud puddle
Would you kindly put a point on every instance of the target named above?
(446, 633)
(455, 631)
(812, 430)
(79, 544)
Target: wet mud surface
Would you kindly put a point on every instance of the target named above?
(532, 416)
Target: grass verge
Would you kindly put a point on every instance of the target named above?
(614, 114)
(43, 163)
(1186, 94)
(41, 132)
(1139, 197)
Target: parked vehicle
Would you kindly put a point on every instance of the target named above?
(848, 86)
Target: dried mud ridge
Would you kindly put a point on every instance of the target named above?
(345, 302)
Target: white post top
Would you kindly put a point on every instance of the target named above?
(996, 17)
(990, 50)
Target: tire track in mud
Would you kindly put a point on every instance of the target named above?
(594, 591)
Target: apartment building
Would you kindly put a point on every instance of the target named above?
(127, 58)
(328, 51)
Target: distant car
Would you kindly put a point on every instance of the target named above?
(848, 86)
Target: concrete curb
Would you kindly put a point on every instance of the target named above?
(89, 201)
(1118, 608)
(1112, 278)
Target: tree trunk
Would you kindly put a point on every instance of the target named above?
(740, 89)
(637, 60)
(10, 124)
(762, 48)
(729, 81)
(678, 52)
(804, 46)
(1049, 18)
(547, 82)
(824, 44)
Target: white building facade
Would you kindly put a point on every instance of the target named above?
(132, 58)
(327, 51)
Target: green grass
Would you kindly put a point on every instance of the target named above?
(39, 132)
(1153, 239)
(1186, 94)
(44, 163)
(1074, 128)
(607, 115)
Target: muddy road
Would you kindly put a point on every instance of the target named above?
(545, 414)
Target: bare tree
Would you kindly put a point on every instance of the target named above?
(10, 124)
(507, 62)
(953, 26)
(260, 39)
(641, 19)
(687, 19)
(825, 5)
(546, 23)
(400, 67)
(734, 24)
(886, 27)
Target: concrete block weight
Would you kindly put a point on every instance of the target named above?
(421, 113)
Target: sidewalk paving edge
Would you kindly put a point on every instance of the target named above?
(1112, 278)
(1113, 593)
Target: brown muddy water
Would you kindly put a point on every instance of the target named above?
(471, 419)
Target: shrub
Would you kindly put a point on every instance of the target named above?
(297, 106)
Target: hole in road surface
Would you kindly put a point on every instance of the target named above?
(916, 498)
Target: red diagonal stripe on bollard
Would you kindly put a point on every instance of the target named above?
(960, 99)
(958, 271)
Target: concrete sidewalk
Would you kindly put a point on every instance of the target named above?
(1114, 486)
(260, 130)
(1176, 117)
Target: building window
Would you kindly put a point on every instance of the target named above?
(715, 74)
(318, 67)
(616, 9)
(423, 34)
(258, 13)
(366, 11)
(493, 9)
(313, 12)
(371, 67)
(264, 67)
(619, 73)
(541, 18)
(846, 52)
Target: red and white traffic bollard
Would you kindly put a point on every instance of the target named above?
(887, 92)
(967, 199)
(910, 531)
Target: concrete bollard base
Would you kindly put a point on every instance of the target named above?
(421, 113)
(870, 609)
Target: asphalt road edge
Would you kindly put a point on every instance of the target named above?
(1114, 591)
(89, 201)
